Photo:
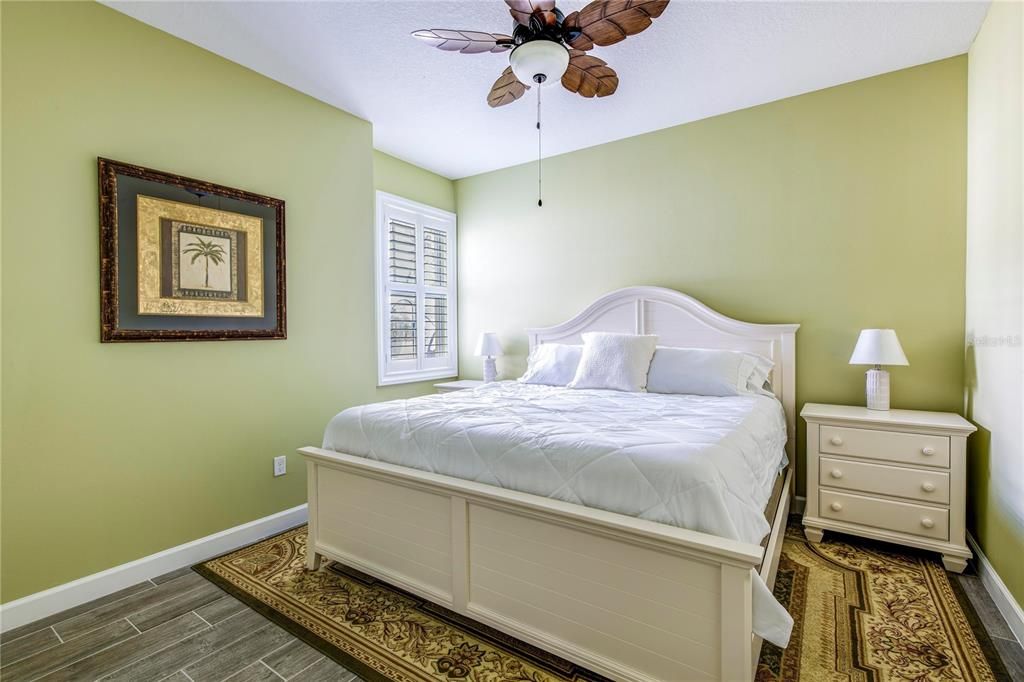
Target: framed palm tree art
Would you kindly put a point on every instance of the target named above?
(208, 251)
(188, 260)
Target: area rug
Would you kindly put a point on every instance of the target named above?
(375, 630)
(869, 611)
(861, 613)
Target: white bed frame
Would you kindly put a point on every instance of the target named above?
(627, 598)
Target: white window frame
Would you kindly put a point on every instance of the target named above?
(390, 372)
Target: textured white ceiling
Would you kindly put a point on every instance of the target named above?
(429, 107)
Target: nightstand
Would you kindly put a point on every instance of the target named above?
(461, 385)
(897, 475)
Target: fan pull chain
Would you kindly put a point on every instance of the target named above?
(540, 185)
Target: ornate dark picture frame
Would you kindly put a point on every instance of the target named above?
(120, 185)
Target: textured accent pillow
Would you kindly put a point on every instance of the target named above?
(618, 362)
(758, 381)
(552, 364)
(707, 371)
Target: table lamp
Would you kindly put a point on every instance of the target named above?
(878, 347)
(488, 347)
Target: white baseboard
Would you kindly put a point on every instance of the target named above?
(799, 504)
(56, 599)
(997, 589)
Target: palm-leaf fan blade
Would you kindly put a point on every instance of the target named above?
(506, 89)
(589, 76)
(606, 22)
(522, 10)
(467, 42)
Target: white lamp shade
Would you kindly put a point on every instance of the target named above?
(878, 347)
(545, 59)
(488, 345)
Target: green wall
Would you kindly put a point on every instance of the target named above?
(412, 182)
(995, 289)
(840, 209)
(113, 452)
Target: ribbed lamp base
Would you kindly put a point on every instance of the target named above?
(490, 370)
(877, 389)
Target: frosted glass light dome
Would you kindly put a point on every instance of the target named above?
(539, 60)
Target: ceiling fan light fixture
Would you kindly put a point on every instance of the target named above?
(539, 62)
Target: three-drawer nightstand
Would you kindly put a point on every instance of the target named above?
(460, 385)
(896, 475)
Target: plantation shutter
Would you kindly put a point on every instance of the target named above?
(403, 326)
(435, 257)
(435, 327)
(401, 252)
(416, 284)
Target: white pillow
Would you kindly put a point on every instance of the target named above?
(552, 364)
(615, 361)
(707, 371)
(758, 381)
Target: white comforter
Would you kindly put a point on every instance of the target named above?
(703, 463)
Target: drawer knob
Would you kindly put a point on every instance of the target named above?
(928, 450)
(836, 440)
(836, 473)
(928, 487)
(927, 523)
(836, 506)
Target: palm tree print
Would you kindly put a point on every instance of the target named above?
(208, 250)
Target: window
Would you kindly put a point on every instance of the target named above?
(415, 292)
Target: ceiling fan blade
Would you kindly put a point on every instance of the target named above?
(506, 89)
(467, 42)
(589, 76)
(522, 10)
(606, 22)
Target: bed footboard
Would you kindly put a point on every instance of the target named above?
(626, 598)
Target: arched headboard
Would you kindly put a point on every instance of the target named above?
(680, 320)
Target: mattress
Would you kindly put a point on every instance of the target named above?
(696, 462)
(703, 463)
(778, 488)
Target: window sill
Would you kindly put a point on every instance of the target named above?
(416, 377)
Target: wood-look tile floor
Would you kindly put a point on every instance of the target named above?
(1010, 650)
(181, 628)
(178, 627)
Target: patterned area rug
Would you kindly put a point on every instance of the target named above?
(376, 630)
(867, 611)
(862, 614)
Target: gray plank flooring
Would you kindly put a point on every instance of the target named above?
(177, 627)
(236, 656)
(17, 633)
(292, 658)
(323, 671)
(177, 677)
(30, 644)
(182, 628)
(224, 607)
(257, 672)
(108, 613)
(1010, 650)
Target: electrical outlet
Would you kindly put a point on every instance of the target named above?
(280, 466)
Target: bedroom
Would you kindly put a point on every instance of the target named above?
(838, 166)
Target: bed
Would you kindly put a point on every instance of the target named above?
(514, 505)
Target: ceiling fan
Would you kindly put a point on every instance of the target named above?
(547, 46)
